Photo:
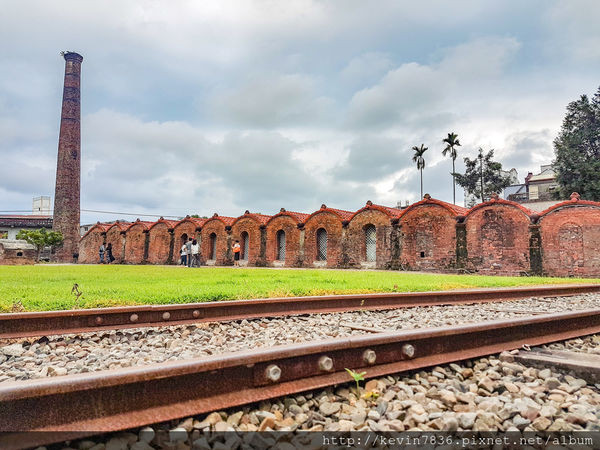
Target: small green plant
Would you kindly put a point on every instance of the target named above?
(357, 376)
(40, 239)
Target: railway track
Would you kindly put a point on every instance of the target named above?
(124, 398)
(17, 325)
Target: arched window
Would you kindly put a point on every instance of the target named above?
(321, 244)
(371, 243)
(213, 246)
(184, 238)
(281, 245)
(245, 245)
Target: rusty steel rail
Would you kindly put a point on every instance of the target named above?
(90, 403)
(16, 325)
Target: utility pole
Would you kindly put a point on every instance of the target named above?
(481, 172)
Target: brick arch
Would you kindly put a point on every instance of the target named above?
(488, 222)
(331, 222)
(90, 243)
(187, 227)
(289, 224)
(570, 234)
(115, 235)
(159, 242)
(500, 202)
(428, 236)
(251, 224)
(220, 226)
(356, 248)
(135, 242)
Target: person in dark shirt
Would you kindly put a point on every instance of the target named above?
(109, 256)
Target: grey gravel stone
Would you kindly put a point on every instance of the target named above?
(113, 349)
(13, 350)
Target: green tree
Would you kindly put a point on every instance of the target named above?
(483, 176)
(41, 239)
(418, 158)
(577, 149)
(451, 143)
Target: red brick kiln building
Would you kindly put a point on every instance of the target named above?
(284, 236)
(251, 230)
(115, 235)
(215, 241)
(161, 242)
(570, 233)
(498, 237)
(371, 237)
(90, 243)
(428, 235)
(495, 237)
(136, 242)
(183, 230)
(324, 236)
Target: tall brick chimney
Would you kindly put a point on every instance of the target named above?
(68, 167)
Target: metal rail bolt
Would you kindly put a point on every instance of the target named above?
(166, 315)
(196, 314)
(273, 373)
(133, 318)
(408, 350)
(325, 364)
(369, 356)
(99, 320)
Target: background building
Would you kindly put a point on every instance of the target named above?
(537, 192)
(40, 217)
(42, 206)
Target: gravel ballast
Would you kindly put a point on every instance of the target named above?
(494, 393)
(71, 354)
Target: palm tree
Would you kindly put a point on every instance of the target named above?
(451, 144)
(418, 158)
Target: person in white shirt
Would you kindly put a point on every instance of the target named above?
(184, 255)
(195, 254)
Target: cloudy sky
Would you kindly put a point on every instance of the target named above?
(223, 106)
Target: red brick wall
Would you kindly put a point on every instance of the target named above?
(292, 240)
(159, 245)
(10, 256)
(252, 227)
(135, 239)
(498, 240)
(68, 167)
(428, 238)
(218, 227)
(114, 237)
(89, 245)
(186, 228)
(333, 225)
(571, 241)
(355, 238)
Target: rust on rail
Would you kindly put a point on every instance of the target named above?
(124, 398)
(15, 325)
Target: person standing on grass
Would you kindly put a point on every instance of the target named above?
(183, 253)
(236, 253)
(188, 250)
(195, 254)
(101, 251)
(109, 256)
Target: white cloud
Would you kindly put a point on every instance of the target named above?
(267, 101)
(261, 104)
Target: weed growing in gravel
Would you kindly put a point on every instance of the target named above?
(357, 376)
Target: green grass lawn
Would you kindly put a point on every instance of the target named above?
(47, 287)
